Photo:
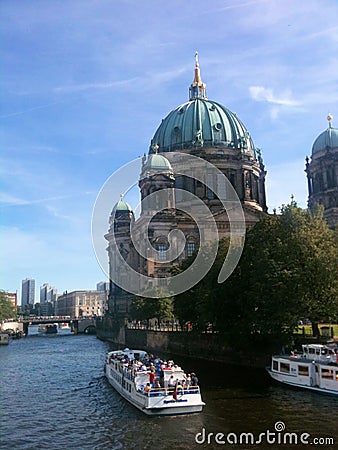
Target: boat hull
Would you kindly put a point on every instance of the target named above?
(293, 383)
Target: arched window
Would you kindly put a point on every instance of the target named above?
(190, 248)
(162, 252)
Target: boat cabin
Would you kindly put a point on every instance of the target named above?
(320, 353)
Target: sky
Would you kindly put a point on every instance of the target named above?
(85, 83)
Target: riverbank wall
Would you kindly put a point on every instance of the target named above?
(204, 346)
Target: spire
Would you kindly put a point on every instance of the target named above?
(197, 88)
(329, 118)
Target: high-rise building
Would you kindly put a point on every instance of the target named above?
(28, 292)
(47, 293)
(102, 286)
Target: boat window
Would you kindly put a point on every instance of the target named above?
(303, 370)
(275, 365)
(312, 351)
(327, 373)
(337, 375)
(284, 367)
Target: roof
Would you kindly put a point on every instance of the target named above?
(326, 140)
(157, 162)
(122, 206)
(201, 123)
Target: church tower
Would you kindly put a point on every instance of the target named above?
(322, 174)
(119, 241)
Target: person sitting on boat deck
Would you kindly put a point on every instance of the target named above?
(171, 382)
(147, 388)
(194, 380)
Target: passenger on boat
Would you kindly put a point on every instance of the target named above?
(194, 380)
(172, 381)
(152, 377)
(187, 381)
(147, 388)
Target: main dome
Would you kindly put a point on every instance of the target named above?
(201, 123)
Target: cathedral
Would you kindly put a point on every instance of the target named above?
(206, 129)
(199, 127)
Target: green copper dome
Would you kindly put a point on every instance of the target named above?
(201, 123)
(157, 162)
(122, 206)
(326, 140)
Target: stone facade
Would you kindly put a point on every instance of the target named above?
(322, 174)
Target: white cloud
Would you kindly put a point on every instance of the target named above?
(262, 94)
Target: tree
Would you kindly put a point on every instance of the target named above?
(7, 309)
(288, 271)
(146, 308)
(197, 305)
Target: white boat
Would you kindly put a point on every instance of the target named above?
(125, 373)
(315, 369)
(4, 338)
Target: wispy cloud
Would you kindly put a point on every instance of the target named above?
(262, 94)
(91, 86)
(10, 200)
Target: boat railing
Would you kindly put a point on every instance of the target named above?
(155, 392)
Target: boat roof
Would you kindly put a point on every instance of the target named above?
(128, 352)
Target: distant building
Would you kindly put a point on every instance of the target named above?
(81, 303)
(27, 292)
(102, 286)
(13, 298)
(322, 174)
(47, 293)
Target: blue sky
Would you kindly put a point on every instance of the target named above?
(85, 84)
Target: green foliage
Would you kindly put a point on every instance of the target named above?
(288, 271)
(7, 309)
(146, 308)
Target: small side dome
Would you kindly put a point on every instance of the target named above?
(156, 164)
(122, 206)
(326, 140)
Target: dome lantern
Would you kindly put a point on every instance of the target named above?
(197, 88)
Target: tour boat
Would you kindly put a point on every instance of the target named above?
(125, 373)
(315, 369)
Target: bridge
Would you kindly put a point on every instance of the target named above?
(85, 325)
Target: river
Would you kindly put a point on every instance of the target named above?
(54, 396)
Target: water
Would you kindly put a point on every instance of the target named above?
(54, 396)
